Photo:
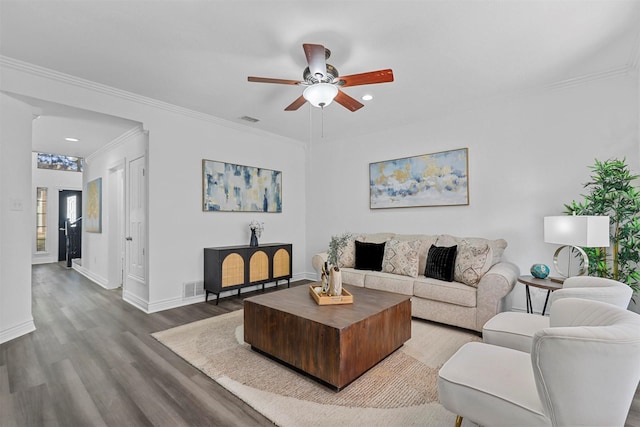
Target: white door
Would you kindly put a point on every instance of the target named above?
(116, 226)
(136, 265)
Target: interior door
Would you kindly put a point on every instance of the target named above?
(136, 264)
(69, 207)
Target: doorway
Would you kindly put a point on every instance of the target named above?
(69, 225)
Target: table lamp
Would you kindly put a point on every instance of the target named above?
(576, 232)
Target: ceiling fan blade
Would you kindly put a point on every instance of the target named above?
(316, 59)
(348, 102)
(296, 104)
(372, 77)
(269, 80)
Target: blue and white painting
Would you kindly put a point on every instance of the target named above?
(235, 188)
(438, 179)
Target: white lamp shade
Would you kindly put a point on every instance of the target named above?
(320, 94)
(577, 230)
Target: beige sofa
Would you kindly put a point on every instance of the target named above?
(468, 305)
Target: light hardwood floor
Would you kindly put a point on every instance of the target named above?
(92, 362)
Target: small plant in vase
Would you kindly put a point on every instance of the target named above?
(331, 267)
(256, 228)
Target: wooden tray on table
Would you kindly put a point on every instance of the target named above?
(324, 299)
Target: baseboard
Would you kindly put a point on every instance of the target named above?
(170, 303)
(135, 301)
(97, 279)
(17, 331)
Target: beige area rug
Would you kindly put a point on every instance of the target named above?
(400, 391)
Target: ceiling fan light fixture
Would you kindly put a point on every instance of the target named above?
(320, 95)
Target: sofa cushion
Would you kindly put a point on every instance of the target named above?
(389, 282)
(369, 255)
(354, 277)
(441, 262)
(425, 240)
(449, 292)
(347, 255)
(472, 262)
(401, 257)
(497, 246)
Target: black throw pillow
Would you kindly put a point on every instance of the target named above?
(369, 256)
(441, 262)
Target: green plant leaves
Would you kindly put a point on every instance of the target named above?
(610, 192)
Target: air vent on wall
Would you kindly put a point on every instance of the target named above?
(249, 119)
(192, 289)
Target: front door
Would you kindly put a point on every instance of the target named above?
(69, 225)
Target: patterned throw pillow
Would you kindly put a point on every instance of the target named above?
(401, 257)
(472, 262)
(347, 255)
(441, 262)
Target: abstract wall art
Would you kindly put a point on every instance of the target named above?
(437, 179)
(93, 215)
(229, 187)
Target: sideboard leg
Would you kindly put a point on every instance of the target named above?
(217, 298)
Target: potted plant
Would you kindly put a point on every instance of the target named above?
(610, 192)
(336, 245)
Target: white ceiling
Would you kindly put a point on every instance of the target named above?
(445, 54)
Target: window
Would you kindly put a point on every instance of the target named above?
(71, 209)
(41, 219)
(60, 162)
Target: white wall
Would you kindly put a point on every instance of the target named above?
(54, 181)
(179, 229)
(178, 141)
(528, 156)
(97, 248)
(15, 219)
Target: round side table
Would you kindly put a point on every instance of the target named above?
(547, 284)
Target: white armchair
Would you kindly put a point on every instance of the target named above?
(515, 330)
(583, 370)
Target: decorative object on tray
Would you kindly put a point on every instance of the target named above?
(540, 271)
(336, 244)
(437, 179)
(256, 228)
(322, 298)
(335, 281)
(325, 278)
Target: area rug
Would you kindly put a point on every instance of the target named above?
(400, 390)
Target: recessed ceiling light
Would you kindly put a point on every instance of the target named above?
(72, 139)
(367, 97)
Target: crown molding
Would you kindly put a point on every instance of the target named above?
(588, 78)
(26, 67)
(135, 131)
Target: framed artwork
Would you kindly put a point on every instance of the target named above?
(437, 179)
(93, 215)
(227, 187)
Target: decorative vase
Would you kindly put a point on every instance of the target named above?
(254, 238)
(539, 271)
(335, 282)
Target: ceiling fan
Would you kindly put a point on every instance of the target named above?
(323, 82)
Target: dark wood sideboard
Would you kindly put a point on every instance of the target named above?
(234, 267)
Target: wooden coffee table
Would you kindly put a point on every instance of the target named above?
(333, 343)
